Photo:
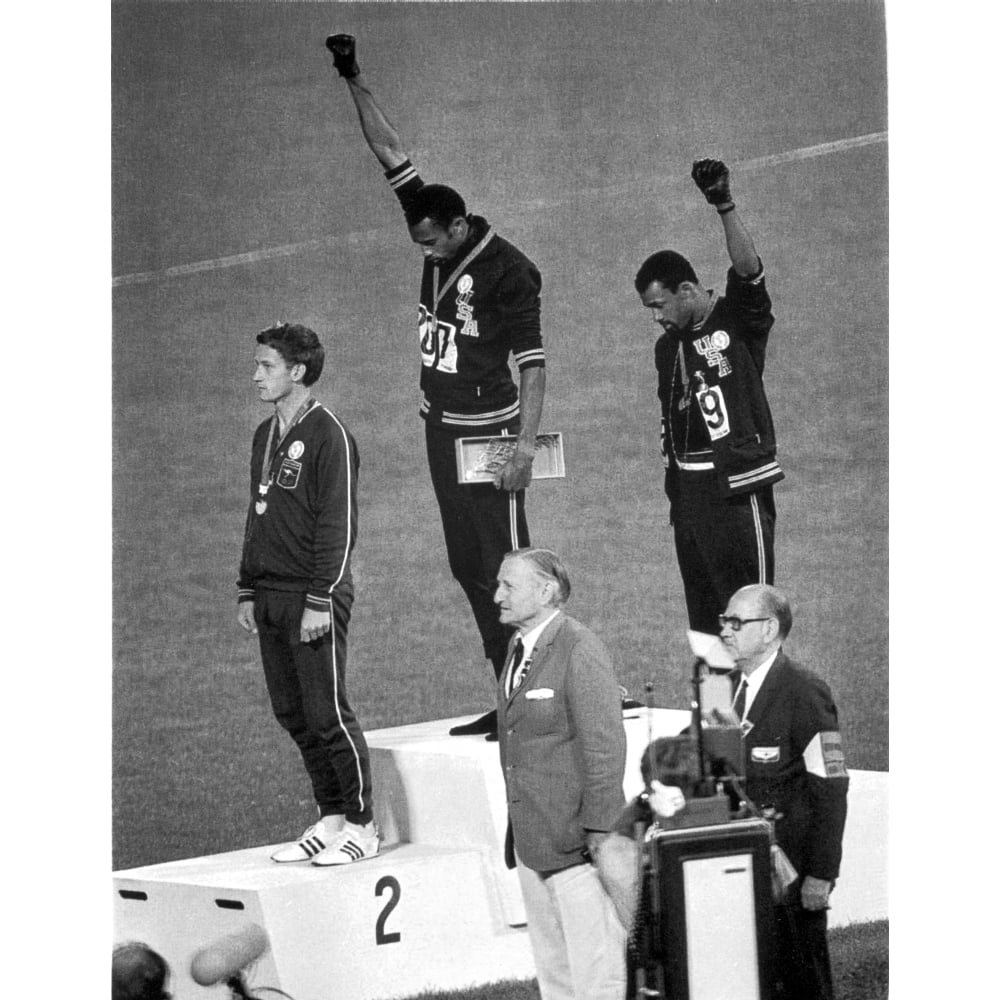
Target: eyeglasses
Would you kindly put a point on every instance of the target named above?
(737, 623)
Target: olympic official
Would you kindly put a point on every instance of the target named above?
(795, 771)
(716, 432)
(296, 590)
(479, 305)
(562, 749)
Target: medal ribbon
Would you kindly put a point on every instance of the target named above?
(470, 256)
(265, 468)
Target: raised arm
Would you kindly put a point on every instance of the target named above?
(712, 178)
(380, 134)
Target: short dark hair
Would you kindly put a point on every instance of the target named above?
(137, 972)
(672, 760)
(441, 204)
(548, 565)
(297, 345)
(667, 267)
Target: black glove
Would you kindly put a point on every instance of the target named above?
(342, 47)
(712, 178)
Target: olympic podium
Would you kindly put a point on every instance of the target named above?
(437, 909)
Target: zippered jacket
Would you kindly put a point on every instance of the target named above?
(301, 531)
(475, 311)
(715, 414)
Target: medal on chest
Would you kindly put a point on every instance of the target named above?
(295, 451)
(261, 504)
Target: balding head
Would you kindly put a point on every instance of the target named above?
(756, 620)
(771, 601)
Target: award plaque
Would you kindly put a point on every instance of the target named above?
(481, 458)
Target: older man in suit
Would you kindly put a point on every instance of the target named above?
(795, 770)
(562, 748)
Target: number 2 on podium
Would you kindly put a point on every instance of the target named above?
(391, 883)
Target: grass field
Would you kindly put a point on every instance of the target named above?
(858, 958)
(243, 193)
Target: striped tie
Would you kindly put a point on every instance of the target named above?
(516, 675)
(740, 701)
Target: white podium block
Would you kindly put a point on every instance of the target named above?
(415, 918)
(438, 909)
(862, 891)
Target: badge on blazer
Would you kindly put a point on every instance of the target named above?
(288, 474)
(720, 340)
(765, 755)
(295, 449)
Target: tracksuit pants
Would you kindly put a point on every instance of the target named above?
(306, 683)
(722, 544)
(481, 525)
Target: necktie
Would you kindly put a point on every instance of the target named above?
(740, 701)
(517, 667)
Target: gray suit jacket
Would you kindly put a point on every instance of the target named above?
(562, 747)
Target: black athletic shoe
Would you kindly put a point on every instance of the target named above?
(480, 727)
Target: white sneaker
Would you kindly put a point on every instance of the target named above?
(352, 844)
(316, 839)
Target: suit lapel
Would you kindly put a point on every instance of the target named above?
(538, 656)
(772, 682)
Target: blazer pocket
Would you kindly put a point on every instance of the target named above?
(542, 714)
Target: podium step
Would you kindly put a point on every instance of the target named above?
(421, 916)
(415, 918)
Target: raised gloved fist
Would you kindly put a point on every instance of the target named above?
(342, 47)
(712, 178)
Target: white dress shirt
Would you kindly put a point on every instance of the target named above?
(753, 681)
(528, 641)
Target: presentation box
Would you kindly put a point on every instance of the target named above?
(480, 458)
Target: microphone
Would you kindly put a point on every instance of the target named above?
(225, 957)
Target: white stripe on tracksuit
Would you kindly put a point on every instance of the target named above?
(759, 535)
(340, 576)
(340, 718)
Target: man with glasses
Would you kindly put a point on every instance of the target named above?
(795, 773)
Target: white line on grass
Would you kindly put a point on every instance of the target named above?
(370, 237)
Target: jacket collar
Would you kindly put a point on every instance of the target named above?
(539, 653)
(772, 682)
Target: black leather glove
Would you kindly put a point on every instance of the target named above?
(712, 178)
(342, 47)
